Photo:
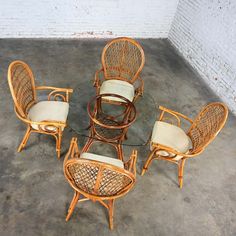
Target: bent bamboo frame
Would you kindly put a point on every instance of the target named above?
(120, 48)
(88, 177)
(23, 91)
(202, 132)
(129, 116)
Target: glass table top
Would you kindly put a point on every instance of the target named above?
(138, 133)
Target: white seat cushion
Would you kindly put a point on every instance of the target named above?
(171, 136)
(108, 160)
(50, 111)
(118, 87)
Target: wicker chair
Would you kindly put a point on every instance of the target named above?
(122, 61)
(106, 127)
(98, 178)
(169, 142)
(46, 117)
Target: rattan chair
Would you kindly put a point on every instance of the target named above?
(46, 117)
(122, 61)
(98, 178)
(107, 127)
(171, 143)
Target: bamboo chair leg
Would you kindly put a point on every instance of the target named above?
(88, 144)
(25, 139)
(135, 98)
(120, 151)
(148, 162)
(181, 172)
(58, 145)
(111, 211)
(72, 205)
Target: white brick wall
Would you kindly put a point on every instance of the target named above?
(204, 31)
(86, 18)
(205, 34)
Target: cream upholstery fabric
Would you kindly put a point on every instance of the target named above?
(108, 160)
(48, 110)
(118, 87)
(171, 136)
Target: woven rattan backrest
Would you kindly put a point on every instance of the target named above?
(207, 125)
(98, 179)
(123, 58)
(21, 82)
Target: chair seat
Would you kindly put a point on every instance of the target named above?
(49, 111)
(171, 136)
(118, 87)
(108, 160)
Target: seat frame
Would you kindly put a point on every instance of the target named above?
(156, 148)
(136, 81)
(73, 157)
(49, 127)
(129, 115)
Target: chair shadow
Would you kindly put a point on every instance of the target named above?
(160, 169)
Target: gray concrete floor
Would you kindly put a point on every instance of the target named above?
(34, 194)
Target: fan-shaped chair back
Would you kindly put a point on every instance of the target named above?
(207, 125)
(123, 58)
(22, 86)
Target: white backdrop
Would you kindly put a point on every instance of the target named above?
(86, 18)
(205, 34)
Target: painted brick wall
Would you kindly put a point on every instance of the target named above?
(205, 34)
(86, 18)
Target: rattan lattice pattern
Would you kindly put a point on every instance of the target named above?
(207, 125)
(107, 132)
(123, 58)
(23, 88)
(86, 177)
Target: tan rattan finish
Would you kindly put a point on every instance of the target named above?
(122, 59)
(96, 180)
(202, 132)
(23, 91)
(207, 125)
(22, 87)
(107, 128)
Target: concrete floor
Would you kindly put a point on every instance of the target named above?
(34, 194)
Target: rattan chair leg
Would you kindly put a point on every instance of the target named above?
(73, 203)
(25, 139)
(87, 144)
(111, 211)
(120, 152)
(136, 98)
(181, 172)
(148, 162)
(58, 145)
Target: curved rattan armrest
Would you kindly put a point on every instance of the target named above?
(56, 92)
(56, 124)
(96, 82)
(161, 147)
(176, 114)
(130, 165)
(73, 151)
(139, 86)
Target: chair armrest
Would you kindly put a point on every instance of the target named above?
(177, 115)
(130, 165)
(96, 82)
(56, 92)
(139, 86)
(73, 151)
